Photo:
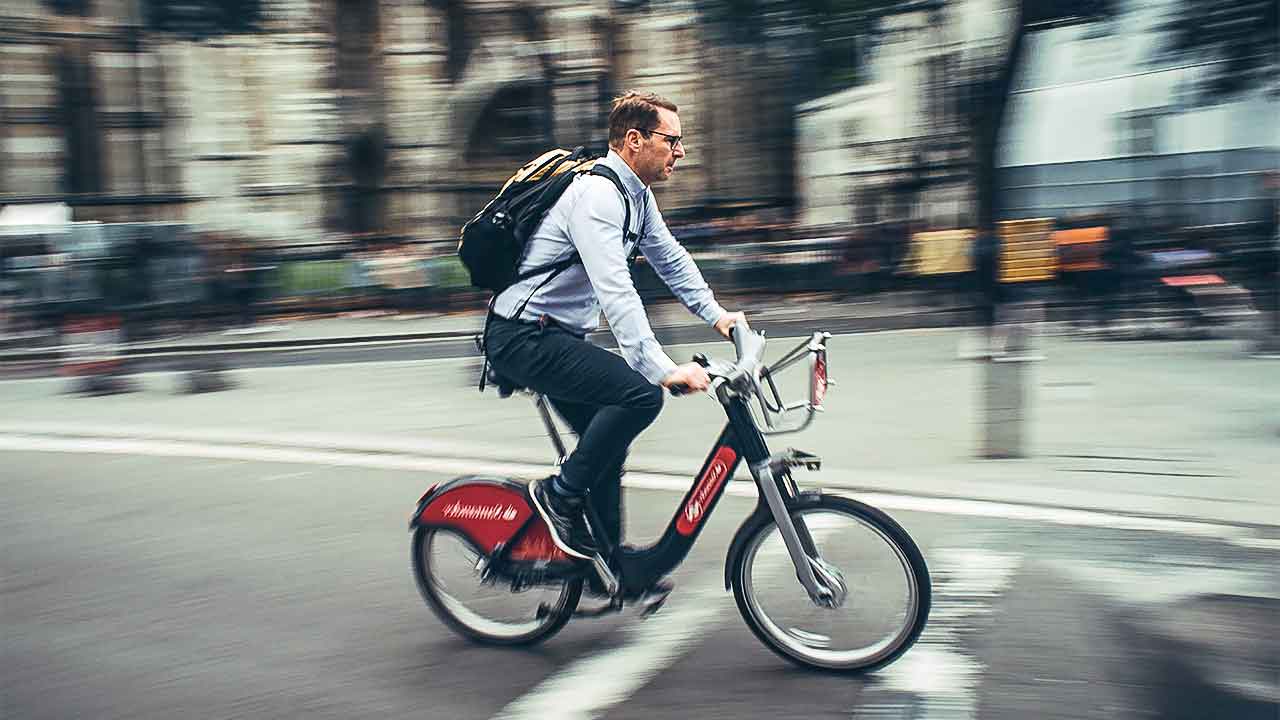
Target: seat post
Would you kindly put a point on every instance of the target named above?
(544, 411)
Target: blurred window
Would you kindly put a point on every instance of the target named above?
(1136, 132)
(515, 125)
(78, 100)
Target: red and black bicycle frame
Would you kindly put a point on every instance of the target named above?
(495, 517)
(494, 514)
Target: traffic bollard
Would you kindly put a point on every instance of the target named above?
(1005, 396)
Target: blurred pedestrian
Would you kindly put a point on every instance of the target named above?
(1119, 261)
(986, 274)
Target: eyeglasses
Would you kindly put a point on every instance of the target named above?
(672, 140)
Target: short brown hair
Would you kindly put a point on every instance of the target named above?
(635, 110)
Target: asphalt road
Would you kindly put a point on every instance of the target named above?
(137, 584)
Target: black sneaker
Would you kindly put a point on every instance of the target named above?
(564, 518)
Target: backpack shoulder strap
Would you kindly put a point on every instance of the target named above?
(573, 259)
(607, 172)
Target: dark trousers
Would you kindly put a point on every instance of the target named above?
(606, 495)
(606, 402)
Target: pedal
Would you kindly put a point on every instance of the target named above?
(654, 604)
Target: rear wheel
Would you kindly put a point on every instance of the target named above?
(886, 590)
(487, 611)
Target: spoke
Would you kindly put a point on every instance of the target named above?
(488, 608)
(877, 614)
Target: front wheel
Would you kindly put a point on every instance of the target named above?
(487, 611)
(886, 595)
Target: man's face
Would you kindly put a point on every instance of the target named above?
(657, 158)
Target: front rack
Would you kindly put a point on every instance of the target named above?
(778, 416)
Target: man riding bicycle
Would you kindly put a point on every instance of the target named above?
(535, 336)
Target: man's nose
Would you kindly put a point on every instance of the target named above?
(678, 151)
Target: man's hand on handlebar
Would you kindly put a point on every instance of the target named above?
(727, 321)
(687, 378)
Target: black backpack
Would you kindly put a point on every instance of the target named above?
(492, 243)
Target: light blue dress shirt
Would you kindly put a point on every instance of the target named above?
(588, 218)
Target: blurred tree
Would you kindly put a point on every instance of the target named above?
(1240, 39)
(846, 30)
(843, 32)
(989, 91)
(69, 7)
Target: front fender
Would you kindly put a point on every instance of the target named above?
(757, 519)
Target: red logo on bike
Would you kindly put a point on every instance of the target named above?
(488, 514)
(497, 511)
(707, 489)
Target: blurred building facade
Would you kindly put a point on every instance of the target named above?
(898, 147)
(1098, 122)
(341, 118)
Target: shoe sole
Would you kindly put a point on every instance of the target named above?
(551, 529)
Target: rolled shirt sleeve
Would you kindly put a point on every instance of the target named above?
(595, 228)
(673, 264)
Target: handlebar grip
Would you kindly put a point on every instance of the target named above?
(678, 389)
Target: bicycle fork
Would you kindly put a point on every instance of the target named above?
(820, 579)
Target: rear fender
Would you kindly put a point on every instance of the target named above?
(491, 513)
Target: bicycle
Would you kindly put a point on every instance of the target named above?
(506, 551)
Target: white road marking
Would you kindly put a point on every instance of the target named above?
(595, 683)
(966, 584)
(334, 442)
(1051, 515)
(1258, 543)
(285, 476)
(228, 447)
(174, 448)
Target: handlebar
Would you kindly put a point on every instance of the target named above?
(749, 346)
(743, 377)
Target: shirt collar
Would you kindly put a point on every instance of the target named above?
(630, 180)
